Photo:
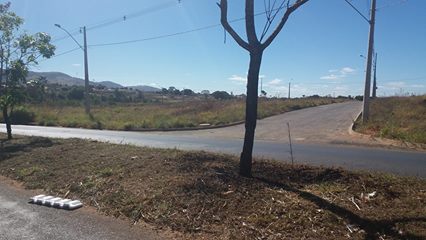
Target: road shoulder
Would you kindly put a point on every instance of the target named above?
(48, 223)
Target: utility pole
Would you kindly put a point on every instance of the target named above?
(289, 86)
(86, 66)
(86, 76)
(367, 89)
(374, 77)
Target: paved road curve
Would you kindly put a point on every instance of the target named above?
(315, 153)
(327, 123)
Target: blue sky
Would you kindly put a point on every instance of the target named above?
(318, 50)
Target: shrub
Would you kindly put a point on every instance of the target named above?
(22, 115)
(76, 93)
(221, 95)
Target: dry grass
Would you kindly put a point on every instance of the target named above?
(201, 195)
(163, 116)
(402, 118)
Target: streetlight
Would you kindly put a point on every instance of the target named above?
(371, 21)
(86, 67)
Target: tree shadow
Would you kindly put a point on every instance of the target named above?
(371, 227)
(216, 174)
(9, 148)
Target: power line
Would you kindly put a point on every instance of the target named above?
(60, 54)
(73, 33)
(126, 17)
(122, 18)
(162, 36)
(171, 34)
(156, 37)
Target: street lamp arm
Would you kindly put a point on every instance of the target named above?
(59, 26)
(362, 15)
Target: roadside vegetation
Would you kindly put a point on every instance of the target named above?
(200, 195)
(171, 112)
(402, 118)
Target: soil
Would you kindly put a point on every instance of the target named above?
(200, 195)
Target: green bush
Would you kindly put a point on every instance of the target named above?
(22, 115)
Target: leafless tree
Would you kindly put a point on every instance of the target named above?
(256, 46)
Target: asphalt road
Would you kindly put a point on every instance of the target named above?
(327, 123)
(312, 140)
(22, 221)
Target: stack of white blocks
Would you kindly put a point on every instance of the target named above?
(57, 202)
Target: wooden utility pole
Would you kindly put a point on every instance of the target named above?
(374, 77)
(367, 89)
(289, 86)
(86, 76)
(86, 66)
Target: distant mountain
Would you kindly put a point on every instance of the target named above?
(57, 78)
(64, 79)
(107, 84)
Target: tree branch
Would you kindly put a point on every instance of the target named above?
(271, 17)
(223, 5)
(290, 9)
(250, 25)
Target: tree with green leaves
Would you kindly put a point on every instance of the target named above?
(256, 46)
(18, 52)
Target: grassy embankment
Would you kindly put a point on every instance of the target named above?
(201, 196)
(402, 118)
(168, 115)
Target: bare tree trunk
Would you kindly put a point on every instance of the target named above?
(251, 113)
(7, 122)
(255, 47)
(1, 68)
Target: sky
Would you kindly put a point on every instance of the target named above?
(319, 49)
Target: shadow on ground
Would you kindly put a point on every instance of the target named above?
(372, 227)
(9, 148)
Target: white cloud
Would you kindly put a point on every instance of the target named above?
(331, 77)
(347, 70)
(238, 78)
(400, 84)
(274, 82)
(76, 65)
(343, 73)
(395, 84)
